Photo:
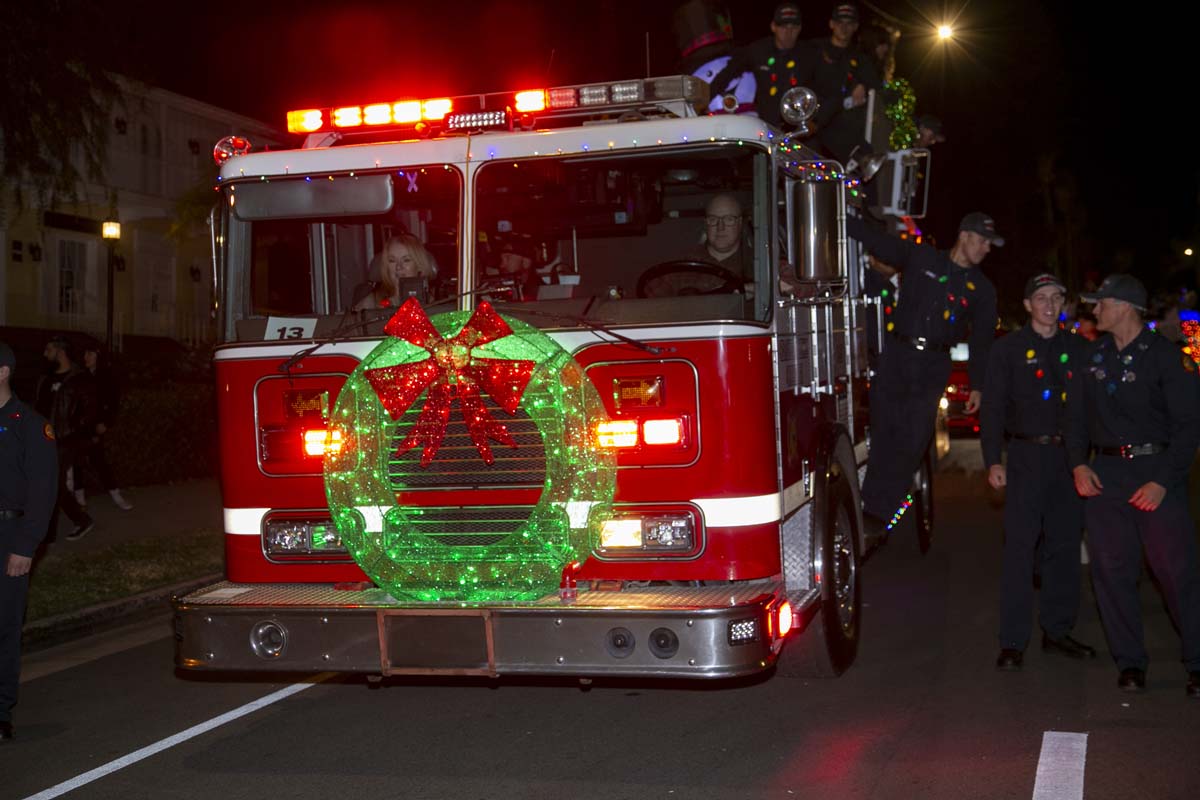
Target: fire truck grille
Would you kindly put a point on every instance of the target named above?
(458, 464)
(470, 527)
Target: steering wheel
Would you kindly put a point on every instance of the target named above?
(730, 281)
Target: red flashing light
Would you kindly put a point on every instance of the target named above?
(377, 114)
(305, 121)
(407, 111)
(785, 618)
(436, 109)
(532, 100)
(347, 117)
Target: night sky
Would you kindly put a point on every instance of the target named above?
(1102, 97)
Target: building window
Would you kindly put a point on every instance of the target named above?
(71, 260)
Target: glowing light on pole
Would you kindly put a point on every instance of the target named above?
(945, 32)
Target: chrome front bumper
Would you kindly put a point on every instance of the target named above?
(650, 632)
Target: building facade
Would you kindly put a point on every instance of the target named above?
(158, 176)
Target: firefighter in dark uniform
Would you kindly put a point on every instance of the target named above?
(942, 295)
(28, 484)
(1024, 401)
(779, 62)
(1138, 406)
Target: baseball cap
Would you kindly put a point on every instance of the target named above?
(787, 14)
(985, 226)
(845, 11)
(1039, 281)
(7, 357)
(934, 124)
(1120, 287)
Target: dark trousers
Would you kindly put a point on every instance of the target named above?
(66, 503)
(13, 592)
(904, 404)
(91, 460)
(1040, 505)
(1117, 535)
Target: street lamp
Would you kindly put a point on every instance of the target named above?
(111, 231)
(945, 32)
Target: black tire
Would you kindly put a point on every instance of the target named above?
(922, 506)
(828, 646)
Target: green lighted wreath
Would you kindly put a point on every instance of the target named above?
(446, 366)
(900, 112)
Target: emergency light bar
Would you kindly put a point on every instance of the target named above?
(500, 110)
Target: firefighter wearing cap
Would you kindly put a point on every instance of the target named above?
(943, 296)
(778, 62)
(28, 470)
(842, 76)
(1024, 402)
(1138, 407)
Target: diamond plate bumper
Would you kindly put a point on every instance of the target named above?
(317, 628)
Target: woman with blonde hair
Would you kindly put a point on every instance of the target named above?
(403, 258)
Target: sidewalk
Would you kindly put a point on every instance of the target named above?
(157, 510)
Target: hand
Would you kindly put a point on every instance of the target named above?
(1148, 497)
(859, 94)
(997, 477)
(18, 565)
(974, 399)
(1087, 482)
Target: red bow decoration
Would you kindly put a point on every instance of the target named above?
(451, 371)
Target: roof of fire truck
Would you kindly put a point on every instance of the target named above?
(570, 119)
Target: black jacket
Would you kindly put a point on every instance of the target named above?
(1026, 389)
(775, 71)
(939, 300)
(68, 401)
(28, 476)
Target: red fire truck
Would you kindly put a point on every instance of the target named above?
(707, 509)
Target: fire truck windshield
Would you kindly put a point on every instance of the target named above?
(671, 234)
(659, 236)
(310, 246)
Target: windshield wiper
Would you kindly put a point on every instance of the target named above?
(592, 325)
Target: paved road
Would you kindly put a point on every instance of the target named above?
(922, 714)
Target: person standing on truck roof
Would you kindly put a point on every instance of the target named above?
(28, 470)
(842, 76)
(943, 295)
(1136, 403)
(778, 62)
(1024, 402)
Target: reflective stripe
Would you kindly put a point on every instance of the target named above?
(244, 521)
(736, 512)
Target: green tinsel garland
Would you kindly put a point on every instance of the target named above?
(900, 112)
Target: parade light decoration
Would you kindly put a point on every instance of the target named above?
(905, 506)
(1189, 323)
(446, 364)
(900, 111)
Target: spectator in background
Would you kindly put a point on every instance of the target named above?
(67, 398)
(778, 63)
(27, 470)
(929, 131)
(878, 44)
(91, 456)
(843, 75)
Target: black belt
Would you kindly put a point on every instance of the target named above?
(1132, 450)
(921, 343)
(11, 513)
(1055, 439)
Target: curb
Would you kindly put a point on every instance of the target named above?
(85, 621)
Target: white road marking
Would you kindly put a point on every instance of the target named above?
(179, 738)
(1060, 766)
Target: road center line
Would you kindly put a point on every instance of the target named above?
(1060, 766)
(179, 738)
